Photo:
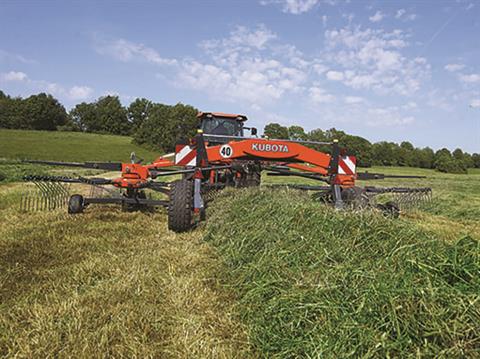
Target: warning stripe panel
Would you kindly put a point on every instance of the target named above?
(185, 155)
(347, 165)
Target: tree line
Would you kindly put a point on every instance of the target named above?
(160, 126)
(154, 125)
(382, 153)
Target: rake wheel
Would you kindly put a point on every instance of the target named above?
(76, 204)
(180, 206)
(355, 197)
(390, 209)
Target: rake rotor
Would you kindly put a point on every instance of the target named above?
(45, 197)
(405, 198)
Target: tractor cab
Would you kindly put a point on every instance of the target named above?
(221, 127)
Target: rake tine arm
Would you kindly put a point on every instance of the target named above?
(376, 176)
(90, 181)
(108, 166)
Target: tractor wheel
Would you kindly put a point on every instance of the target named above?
(76, 204)
(180, 206)
(251, 179)
(254, 178)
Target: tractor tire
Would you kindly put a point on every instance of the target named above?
(180, 206)
(251, 179)
(254, 179)
(76, 204)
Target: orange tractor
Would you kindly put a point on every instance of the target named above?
(219, 156)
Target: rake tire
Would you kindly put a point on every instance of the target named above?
(76, 204)
(180, 206)
(390, 209)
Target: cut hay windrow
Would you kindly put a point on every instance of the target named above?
(315, 282)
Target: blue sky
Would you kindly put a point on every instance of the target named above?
(385, 70)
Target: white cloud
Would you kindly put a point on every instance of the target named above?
(74, 93)
(241, 39)
(79, 92)
(335, 75)
(470, 6)
(14, 58)
(295, 7)
(247, 66)
(298, 6)
(126, 51)
(410, 106)
(353, 100)
(389, 116)
(377, 17)
(471, 78)
(320, 68)
(374, 59)
(319, 95)
(400, 13)
(475, 103)
(454, 67)
(14, 76)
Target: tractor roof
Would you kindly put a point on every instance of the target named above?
(221, 114)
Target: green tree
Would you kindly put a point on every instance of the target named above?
(112, 115)
(317, 135)
(360, 148)
(42, 112)
(385, 153)
(166, 125)
(296, 133)
(406, 155)
(476, 160)
(468, 160)
(106, 115)
(85, 117)
(445, 162)
(138, 111)
(11, 113)
(458, 154)
(425, 157)
(275, 130)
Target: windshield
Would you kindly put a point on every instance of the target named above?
(222, 126)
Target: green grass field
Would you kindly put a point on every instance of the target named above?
(271, 274)
(18, 145)
(68, 146)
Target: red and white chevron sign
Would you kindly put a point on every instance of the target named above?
(185, 155)
(347, 165)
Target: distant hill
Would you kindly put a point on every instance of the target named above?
(69, 146)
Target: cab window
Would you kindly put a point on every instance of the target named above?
(222, 126)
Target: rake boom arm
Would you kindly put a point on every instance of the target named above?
(270, 150)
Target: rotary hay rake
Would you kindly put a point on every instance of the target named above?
(221, 156)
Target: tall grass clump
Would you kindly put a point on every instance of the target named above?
(313, 282)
